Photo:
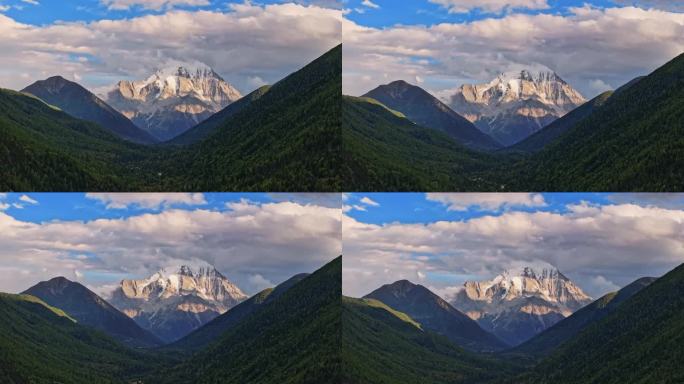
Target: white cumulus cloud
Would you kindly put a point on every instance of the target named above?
(240, 42)
(274, 240)
(614, 45)
(27, 199)
(368, 201)
(370, 4)
(598, 247)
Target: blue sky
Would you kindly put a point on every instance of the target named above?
(595, 45)
(410, 12)
(77, 206)
(416, 208)
(50, 11)
(601, 241)
(256, 240)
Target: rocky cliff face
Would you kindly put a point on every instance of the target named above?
(514, 105)
(173, 100)
(173, 302)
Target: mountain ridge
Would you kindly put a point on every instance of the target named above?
(435, 314)
(78, 102)
(381, 345)
(641, 341)
(569, 327)
(90, 309)
(212, 330)
(426, 110)
(39, 344)
(294, 339)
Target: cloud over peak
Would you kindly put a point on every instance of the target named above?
(598, 246)
(584, 45)
(273, 240)
(244, 41)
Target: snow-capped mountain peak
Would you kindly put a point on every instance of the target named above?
(546, 87)
(173, 99)
(204, 282)
(548, 284)
(517, 304)
(515, 104)
(178, 299)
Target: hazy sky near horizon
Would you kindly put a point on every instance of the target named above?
(100, 42)
(255, 240)
(595, 45)
(600, 241)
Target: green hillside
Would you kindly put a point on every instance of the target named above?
(41, 344)
(426, 110)
(383, 151)
(436, 315)
(213, 330)
(293, 339)
(642, 341)
(634, 142)
(286, 140)
(537, 141)
(283, 138)
(210, 125)
(78, 102)
(44, 149)
(568, 328)
(385, 346)
(87, 308)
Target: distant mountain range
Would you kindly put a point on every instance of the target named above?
(289, 334)
(158, 109)
(516, 306)
(172, 100)
(172, 303)
(282, 138)
(628, 140)
(633, 335)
